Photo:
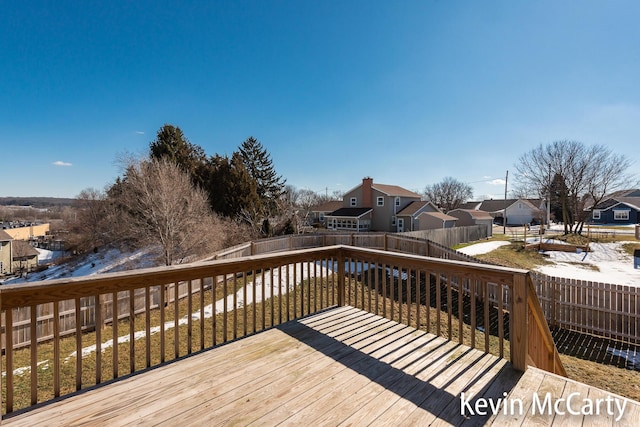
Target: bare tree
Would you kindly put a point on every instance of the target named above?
(90, 225)
(579, 176)
(162, 207)
(448, 194)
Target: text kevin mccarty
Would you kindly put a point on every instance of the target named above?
(573, 404)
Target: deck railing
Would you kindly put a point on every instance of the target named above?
(167, 313)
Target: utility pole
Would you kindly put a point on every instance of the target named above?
(504, 216)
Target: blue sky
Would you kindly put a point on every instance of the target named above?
(407, 92)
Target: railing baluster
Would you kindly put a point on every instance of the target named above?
(418, 282)
(295, 290)
(235, 307)
(8, 331)
(308, 287)
(189, 317)
(385, 285)
(56, 347)
(427, 298)
(147, 325)
(288, 298)
(449, 308)
(162, 290)
(132, 332)
(461, 282)
(500, 320)
(438, 304)
(176, 320)
(78, 347)
(392, 292)
(214, 316)
(280, 296)
(33, 338)
(473, 299)
(264, 303)
(487, 324)
(272, 296)
(255, 302)
(114, 333)
(244, 303)
(225, 308)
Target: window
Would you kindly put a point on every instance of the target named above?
(354, 202)
(397, 201)
(596, 214)
(380, 201)
(621, 215)
(393, 220)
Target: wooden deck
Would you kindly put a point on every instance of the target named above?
(340, 367)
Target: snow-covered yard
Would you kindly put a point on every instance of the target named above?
(606, 263)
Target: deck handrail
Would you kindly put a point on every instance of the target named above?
(413, 289)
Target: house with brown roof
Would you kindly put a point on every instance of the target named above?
(318, 214)
(408, 218)
(25, 257)
(6, 255)
(372, 207)
(470, 217)
(435, 221)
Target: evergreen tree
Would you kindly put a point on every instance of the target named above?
(232, 191)
(270, 185)
(172, 145)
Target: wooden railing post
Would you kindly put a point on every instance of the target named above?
(519, 323)
(341, 278)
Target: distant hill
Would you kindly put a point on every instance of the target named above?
(36, 202)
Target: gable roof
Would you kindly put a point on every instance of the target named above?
(327, 206)
(394, 190)
(4, 236)
(475, 214)
(632, 202)
(440, 215)
(415, 207)
(22, 249)
(498, 205)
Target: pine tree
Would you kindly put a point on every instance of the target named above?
(172, 145)
(270, 185)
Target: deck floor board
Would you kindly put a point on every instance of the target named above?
(342, 366)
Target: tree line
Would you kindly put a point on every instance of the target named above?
(184, 202)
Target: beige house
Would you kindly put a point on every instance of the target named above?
(469, 217)
(408, 218)
(372, 207)
(25, 257)
(6, 256)
(319, 213)
(435, 221)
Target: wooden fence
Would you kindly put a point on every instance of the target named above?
(606, 310)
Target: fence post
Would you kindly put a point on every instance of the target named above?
(518, 323)
(385, 242)
(251, 249)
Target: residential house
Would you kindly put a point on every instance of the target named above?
(372, 207)
(407, 218)
(621, 208)
(435, 220)
(518, 211)
(25, 257)
(6, 256)
(318, 214)
(470, 217)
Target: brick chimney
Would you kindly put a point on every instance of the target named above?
(367, 192)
